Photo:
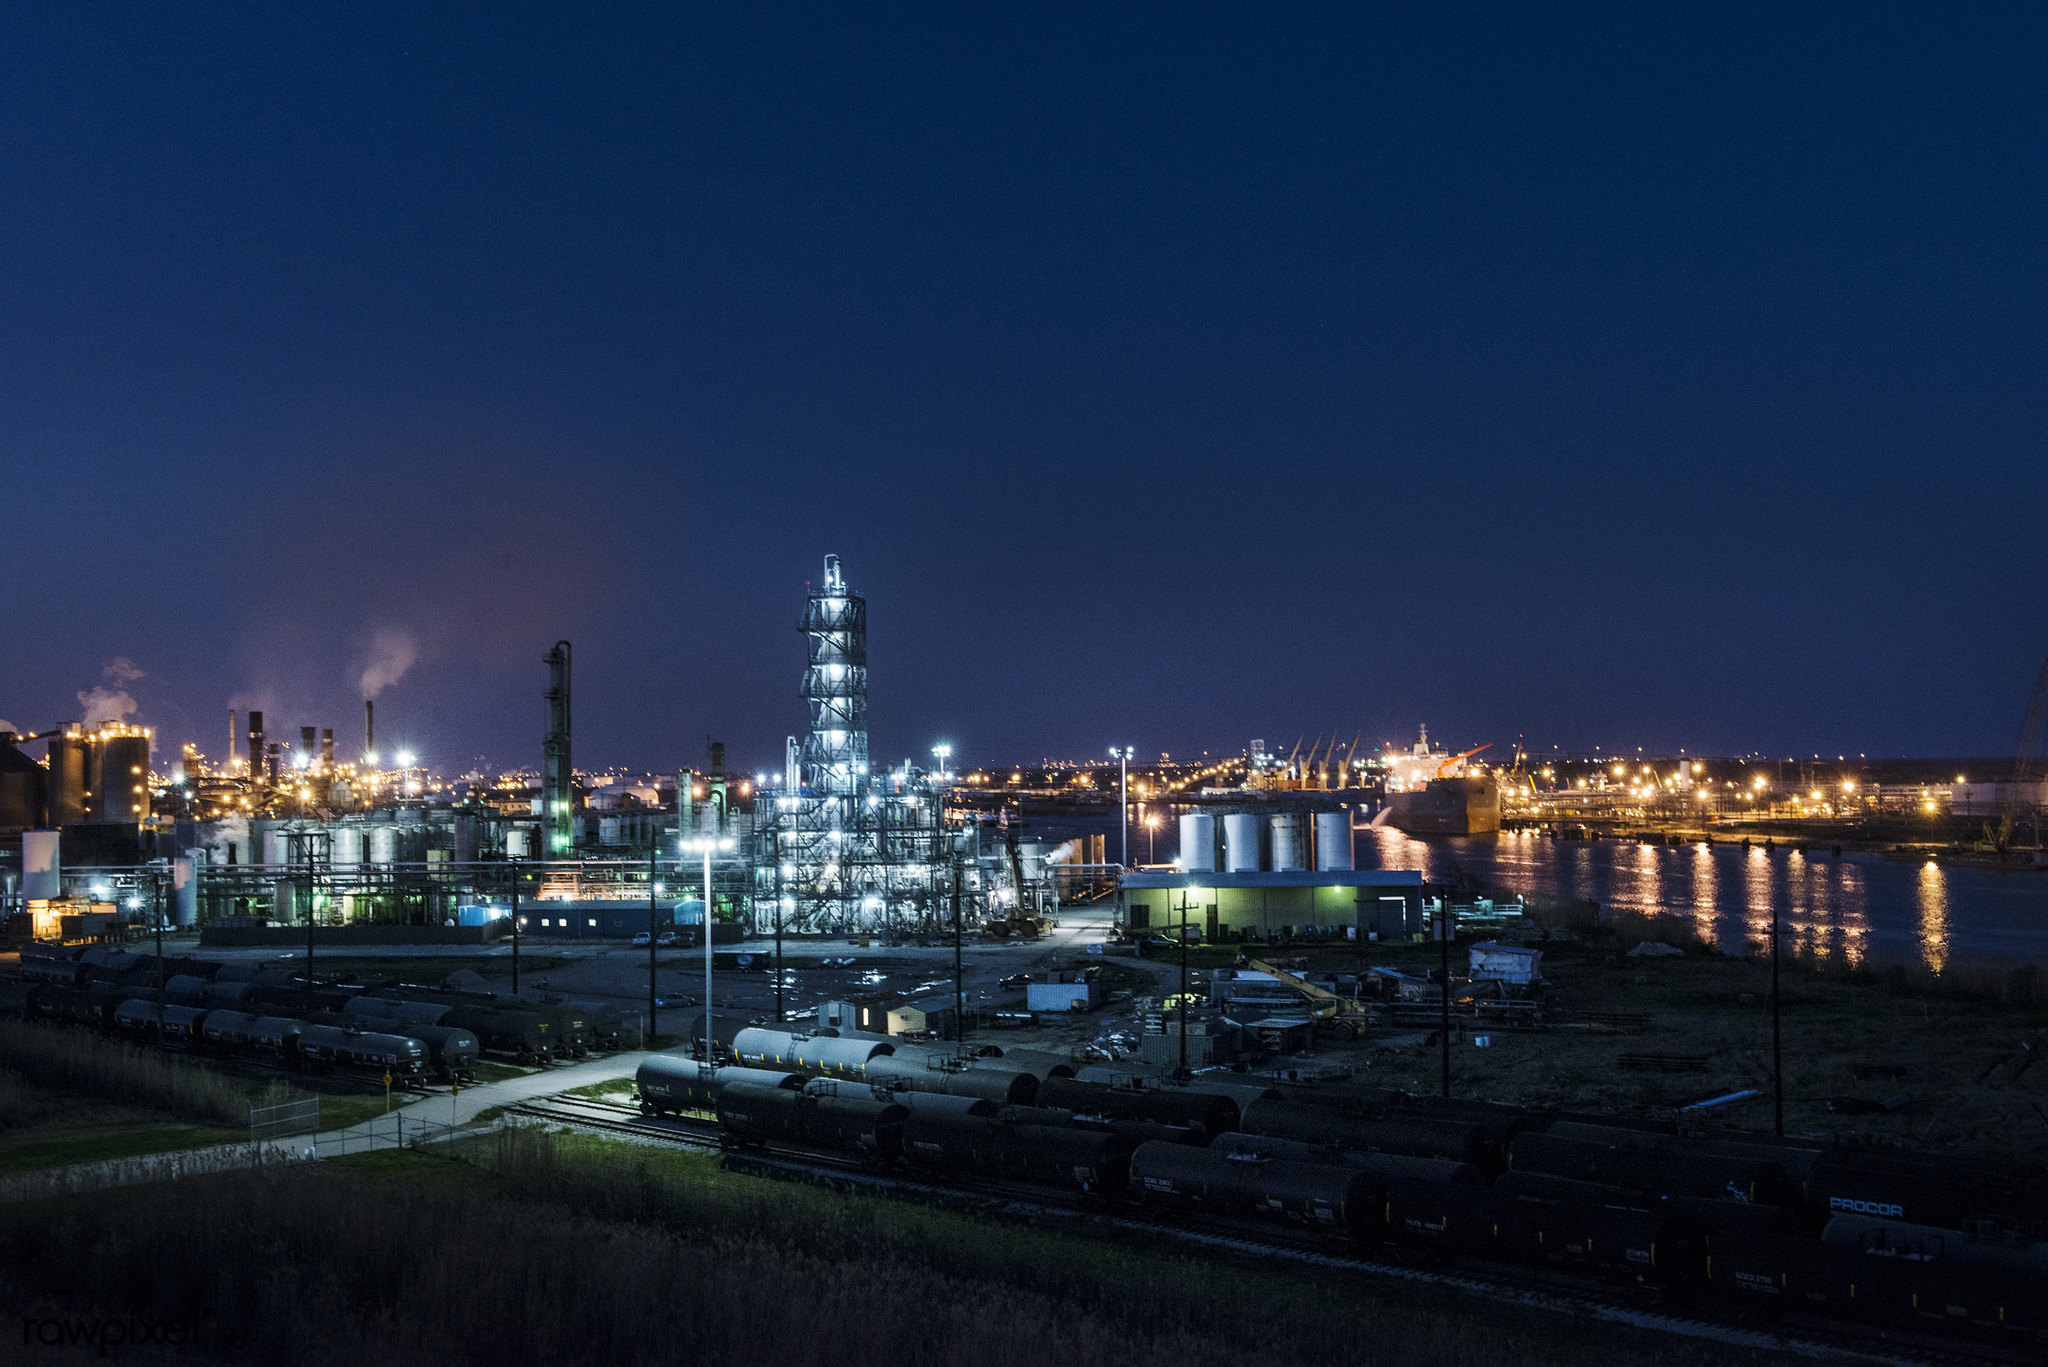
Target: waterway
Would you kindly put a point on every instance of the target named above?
(1860, 907)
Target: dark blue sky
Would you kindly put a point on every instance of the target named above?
(1641, 376)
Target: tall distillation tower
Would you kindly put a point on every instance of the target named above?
(557, 777)
(837, 846)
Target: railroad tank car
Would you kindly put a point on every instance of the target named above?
(826, 1055)
(1334, 1198)
(1715, 1177)
(751, 1114)
(451, 1051)
(522, 1034)
(675, 1082)
(1212, 1115)
(607, 1023)
(169, 1023)
(1501, 1121)
(331, 1046)
(1005, 1087)
(275, 1036)
(1546, 1219)
(1389, 1166)
(924, 1102)
(1921, 1191)
(1133, 1132)
(1930, 1243)
(964, 1139)
(18, 997)
(1040, 1063)
(1459, 1218)
(78, 1005)
(66, 969)
(1419, 1137)
(1990, 1304)
(1797, 1158)
(227, 1029)
(399, 1009)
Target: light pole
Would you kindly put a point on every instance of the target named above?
(942, 753)
(515, 925)
(653, 934)
(1123, 795)
(707, 846)
(1151, 837)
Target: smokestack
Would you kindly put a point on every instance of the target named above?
(327, 747)
(307, 741)
(255, 747)
(557, 773)
(369, 726)
(228, 764)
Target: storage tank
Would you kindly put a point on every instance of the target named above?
(67, 780)
(273, 848)
(1197, 842)
(383, 844)
(1333, 840)
(345, 845)
(518, 843)
(41, 878)
(124, 769)
(608, 831)
(1241, 843)
(1288, 845)
(24, 788)
(185, 891)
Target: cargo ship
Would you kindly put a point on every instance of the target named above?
(1430, 792)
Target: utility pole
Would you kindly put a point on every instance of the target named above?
(1445, 927)
(1777, 1034)
(652, 853)
(156, 890)
(779, 1016)
(515, 927)
(1183, 1012)
(959, 993)
(1123, 793)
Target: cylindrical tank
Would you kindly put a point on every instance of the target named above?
(383, 844)
(608, 828)
(1241, 843)
(780, 1050)
(518, 842)
(185, 891)
(1197, 842)
(1288, 845)
(41, 876)
(1333, 841)
(67, 780)
(273, 848)
(671, 1082)
(24, 788)
(124, 768)
(345, 845)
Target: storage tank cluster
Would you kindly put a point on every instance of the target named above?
(1254, 842)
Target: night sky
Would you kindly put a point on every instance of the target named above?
(1658, 375)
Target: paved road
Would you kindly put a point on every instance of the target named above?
(420, 1118)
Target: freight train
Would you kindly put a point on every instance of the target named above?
(1885, 1241)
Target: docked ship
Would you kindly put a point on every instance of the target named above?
(1434, 792)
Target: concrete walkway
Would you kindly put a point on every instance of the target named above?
(428, 1117)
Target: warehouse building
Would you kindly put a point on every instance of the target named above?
(1368, 904)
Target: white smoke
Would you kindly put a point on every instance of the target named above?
(103, 705)
(121, 670)
(392, 651)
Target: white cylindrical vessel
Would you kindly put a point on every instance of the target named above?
(1333, 840)
(1241, 843)
(1197, 842)
(1288, 845)
(383, 844)
(42, 878)
(273, 848)
(518, 843)
(345, 845)
(184, 891)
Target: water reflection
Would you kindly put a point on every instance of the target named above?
(1854, 907)
(1933, 890)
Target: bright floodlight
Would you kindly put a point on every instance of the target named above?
(370, 760)
(405, 759)
(660, 888)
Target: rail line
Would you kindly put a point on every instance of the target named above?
(1555, 1294)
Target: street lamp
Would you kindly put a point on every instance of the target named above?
(942, 753)
(1123, 789)
(1151, 836)
(707, 846)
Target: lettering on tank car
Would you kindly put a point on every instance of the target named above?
(1856, 1207)
(1158, 1184)
(1752, 1281)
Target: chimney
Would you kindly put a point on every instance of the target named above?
(227, 766)
(327, 747)
(369, 727)
(256, 752)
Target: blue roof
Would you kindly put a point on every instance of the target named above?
(1289, 878)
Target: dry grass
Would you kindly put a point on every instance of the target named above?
(86, 1064)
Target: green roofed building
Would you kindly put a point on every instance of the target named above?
(1383, 904)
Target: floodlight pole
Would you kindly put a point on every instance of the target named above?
(1777, 1035)
(653, 854)
(515, 926)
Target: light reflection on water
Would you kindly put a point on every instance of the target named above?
(1854, 906)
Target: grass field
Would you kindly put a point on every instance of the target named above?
(540, 1248)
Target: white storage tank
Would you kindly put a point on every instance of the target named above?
(518, 843)
(185, 891)
(1289, 849)
(1198, 842)
(1333, 840)
(345, 845)
(42, 878)
(1241, 843)
(383, 844)
(273, 848)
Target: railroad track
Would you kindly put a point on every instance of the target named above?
(1558, 1294)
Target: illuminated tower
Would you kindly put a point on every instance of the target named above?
(557, 793)
(835, 755)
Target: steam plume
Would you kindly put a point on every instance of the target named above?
(392, 651)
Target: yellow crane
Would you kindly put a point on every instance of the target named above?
(1332, 1013)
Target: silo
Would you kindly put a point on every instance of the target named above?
(124, 776)
(1290, 850)
(1198, 842)
(41, 875)
(67, 780)
(1333, 840)
(1241, 843)
(273, 848)
(345, 845)
(24, 788)
(383, 844)
(518, 843)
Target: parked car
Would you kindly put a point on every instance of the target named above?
(1014, 980)
(667, 937)
(642, 940)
